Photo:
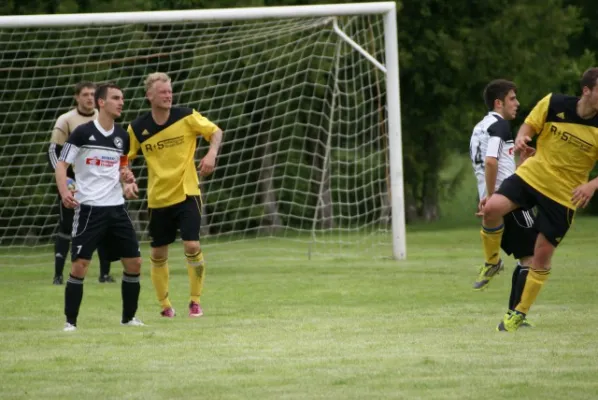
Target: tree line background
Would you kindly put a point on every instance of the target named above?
(448, 51)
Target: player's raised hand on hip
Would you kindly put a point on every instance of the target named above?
(206, 165)
(583, 194)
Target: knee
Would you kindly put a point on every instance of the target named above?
(542, 255)
(491, 218)
(541, 264)
(192, 247)
(79, 268)
(133, 266)
(159, 253)
(493, 213)
(526, 261)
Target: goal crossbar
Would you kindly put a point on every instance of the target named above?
(223, 14)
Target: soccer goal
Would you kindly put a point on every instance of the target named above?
(307, 97)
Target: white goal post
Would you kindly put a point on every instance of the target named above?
(308, 98)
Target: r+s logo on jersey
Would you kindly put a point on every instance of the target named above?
(104, 161)
(166, 143)
(571, 139)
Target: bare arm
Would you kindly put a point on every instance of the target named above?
(491, 171)
(207, 164)
(127, 179)
(68, 198)
(215, 142)
(526, 134)
(126, 174)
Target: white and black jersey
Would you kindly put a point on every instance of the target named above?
(492, 137)
(96, 155)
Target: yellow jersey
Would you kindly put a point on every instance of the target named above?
(566, 149)
(169, 152)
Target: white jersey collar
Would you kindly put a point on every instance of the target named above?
(102, 130)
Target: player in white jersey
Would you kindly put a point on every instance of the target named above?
(65, 124)
(492, 152)
(98, 150)
(492, 138)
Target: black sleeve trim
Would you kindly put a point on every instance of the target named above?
(501, 129)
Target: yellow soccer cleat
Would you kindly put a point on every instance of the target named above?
(487, 272)
(511, 322)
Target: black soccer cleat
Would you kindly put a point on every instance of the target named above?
(106, 279)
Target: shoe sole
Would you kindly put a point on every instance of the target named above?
(479, 289)
(499, 270)
(502, 327)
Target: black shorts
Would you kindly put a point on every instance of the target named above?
(552, 220)
(65, 225)
(184, 216)
(519, 237)
(109, 227)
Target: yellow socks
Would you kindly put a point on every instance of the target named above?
(491, 238)
(196, 270)
(160, 277)
(534, 282)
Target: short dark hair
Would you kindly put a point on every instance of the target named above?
(83, 84)
(498, 89)
(102, 92)
(589, 78)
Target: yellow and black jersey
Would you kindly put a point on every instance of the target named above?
(169, 152)
(566, 151)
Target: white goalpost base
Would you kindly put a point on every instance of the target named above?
(307, 96)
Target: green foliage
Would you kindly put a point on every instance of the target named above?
(448, 52)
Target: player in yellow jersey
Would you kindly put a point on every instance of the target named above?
(555, 180)
(167, 137)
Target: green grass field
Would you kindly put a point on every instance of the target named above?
(333, 329)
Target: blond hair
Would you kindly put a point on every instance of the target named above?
(155, 77)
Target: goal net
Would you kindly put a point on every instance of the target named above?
(305, 165)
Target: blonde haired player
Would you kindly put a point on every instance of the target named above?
(167, 138)
(555, 180)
